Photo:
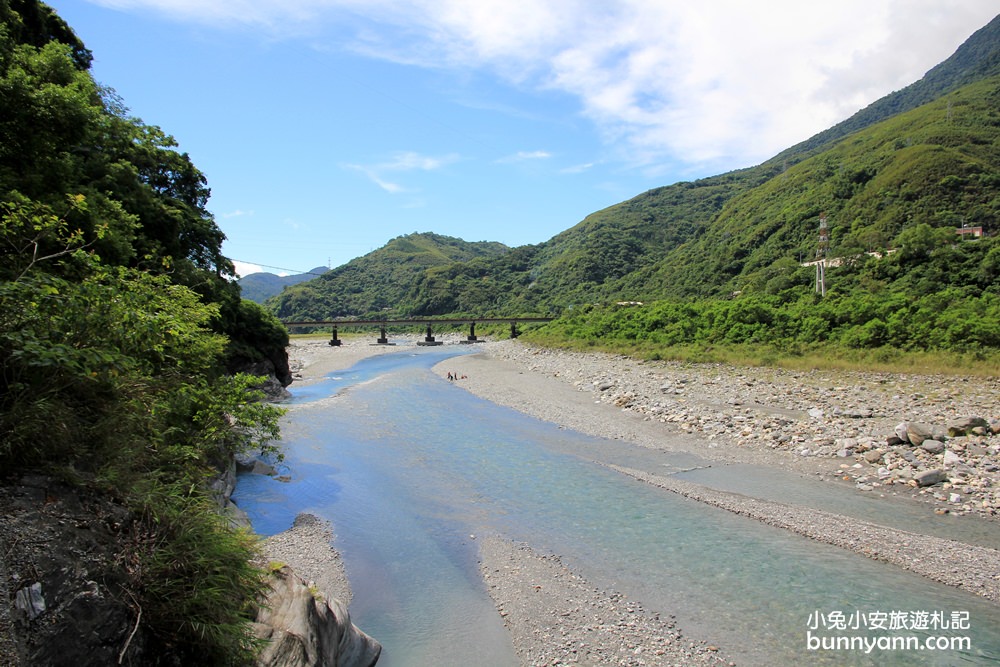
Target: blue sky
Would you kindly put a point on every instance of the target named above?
(328, 127)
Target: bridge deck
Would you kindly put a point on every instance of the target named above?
(428, 322)
(423, 320)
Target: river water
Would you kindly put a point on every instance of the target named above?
(410, 469)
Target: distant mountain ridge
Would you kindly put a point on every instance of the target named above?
(381, 280)
(926, 154)
(261, 286)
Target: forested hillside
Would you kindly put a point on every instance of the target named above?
(388, 279)
(901, 175)
(713, 236)
(118, 323)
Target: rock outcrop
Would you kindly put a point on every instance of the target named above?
(303, 629)
(64, 591)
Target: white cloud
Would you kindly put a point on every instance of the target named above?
(523, 156)
(578, 168)
(237, 214)
(244, 269)
(404, 161)
(727, 81)
(409, 161)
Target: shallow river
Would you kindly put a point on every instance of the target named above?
(410, 468)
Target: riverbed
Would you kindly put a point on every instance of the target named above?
(417, 474)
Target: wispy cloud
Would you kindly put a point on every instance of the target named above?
(238, 213)
(726, 81)
(578, 168)
(373, 176)
(404, 161)
(524, 156)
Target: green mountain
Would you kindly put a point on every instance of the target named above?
(261, 286)
(924, 154)
(381, 280)
(907, 170)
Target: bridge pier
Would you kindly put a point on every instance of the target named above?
(514, 333)
(429, 338)
(334, 341)
(472, 334)
(383, 339)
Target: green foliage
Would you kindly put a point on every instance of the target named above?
(115, 306)
(107, 375)
(188, 547)
(952, 318)
(402, 278)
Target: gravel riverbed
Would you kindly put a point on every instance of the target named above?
(836, 426)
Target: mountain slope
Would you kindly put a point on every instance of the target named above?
(938, 164)
(922, 155)
(693, 238)
(378, 281)
(261, 286)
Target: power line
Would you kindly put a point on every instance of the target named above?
(279, 268)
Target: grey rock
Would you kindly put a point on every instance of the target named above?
(930, 477)
(964, 425)
(30, 601)
(900, 432)
(263, 468)
(304, 630)
(951, 458)
(916, 433)
(873, 456)
(932, 446)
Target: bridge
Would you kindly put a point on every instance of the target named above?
(429, 339)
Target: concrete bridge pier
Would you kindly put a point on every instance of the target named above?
(514, 333)
(383, 339)
(429, 338)
(472, 334)
(334, 341)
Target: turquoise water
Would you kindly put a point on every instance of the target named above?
(409, 468)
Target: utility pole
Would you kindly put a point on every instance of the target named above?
(821, 250)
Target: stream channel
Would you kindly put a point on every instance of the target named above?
(410, 469)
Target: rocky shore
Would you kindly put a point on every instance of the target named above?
(936, 438)
(933, 438)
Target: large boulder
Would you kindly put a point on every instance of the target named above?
(964, 425)
(914, 433)
(302, 629)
